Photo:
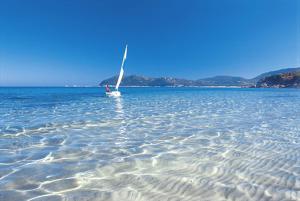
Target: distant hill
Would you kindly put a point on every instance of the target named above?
(277, 72)
(283, 80)
(136, 80)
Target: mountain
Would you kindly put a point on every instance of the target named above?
(283, 80)
(135, 80)
(277, 72)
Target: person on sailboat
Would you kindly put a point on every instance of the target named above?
(107, 89)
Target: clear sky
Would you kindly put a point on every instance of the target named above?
(59, 42)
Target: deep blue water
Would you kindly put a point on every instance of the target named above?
(149, 144)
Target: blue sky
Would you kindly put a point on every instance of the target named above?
(56, 42)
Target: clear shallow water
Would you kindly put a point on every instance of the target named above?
(150, 144)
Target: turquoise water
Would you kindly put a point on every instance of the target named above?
(150, 144)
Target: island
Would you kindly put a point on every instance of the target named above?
(283, 78)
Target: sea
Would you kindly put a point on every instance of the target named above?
(150, 144)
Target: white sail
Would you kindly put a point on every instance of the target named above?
(122, 70)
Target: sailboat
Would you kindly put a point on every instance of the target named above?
(117, 93)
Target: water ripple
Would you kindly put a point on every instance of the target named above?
(166, 144)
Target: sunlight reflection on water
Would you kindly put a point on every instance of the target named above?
(150, 144)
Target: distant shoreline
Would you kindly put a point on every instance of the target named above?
(123, 87)
(283, 78)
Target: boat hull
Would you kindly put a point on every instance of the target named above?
(113, 94)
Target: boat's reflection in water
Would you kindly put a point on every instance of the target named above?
(119, 106)
(121, 137)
